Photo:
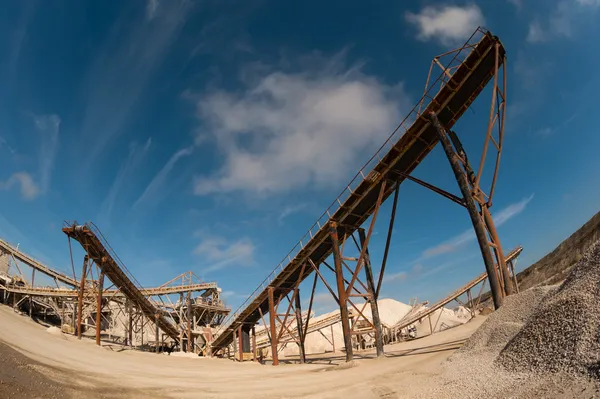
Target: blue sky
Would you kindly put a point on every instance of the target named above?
(210, 135)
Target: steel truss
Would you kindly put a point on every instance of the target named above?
(464, 74)
(92, 303)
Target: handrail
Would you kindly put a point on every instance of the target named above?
(326, 215)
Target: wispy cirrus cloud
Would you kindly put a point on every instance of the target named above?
(27, 186)
(123, 67)
(48, 126)
(290, 210)
(500, 218)
(447, 24)
(154, 192)
(133, 160)
(562, 20)
(218, 253)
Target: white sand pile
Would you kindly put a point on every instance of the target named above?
(563, 335)
(390, 313)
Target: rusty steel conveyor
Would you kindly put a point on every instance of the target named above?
(449, 104)
(100, 252)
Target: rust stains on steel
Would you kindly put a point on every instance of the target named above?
(100, 252)
(447, 97)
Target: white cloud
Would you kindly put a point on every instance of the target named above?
(399, 276)
(516, 3)
(151, 7)
(123, 66)
(49, 127)
(4, 143)
(220, 253)
(155, 192)
(589, 3)
(561, 21)
(290, 210)
(448, 24)
(27, 186)
(503, 216)
(285, 131)
(536, 34)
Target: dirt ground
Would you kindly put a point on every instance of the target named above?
(36, 364)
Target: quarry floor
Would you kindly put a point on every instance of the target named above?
(36, 364)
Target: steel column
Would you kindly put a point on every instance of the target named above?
(190, 343)
(299, 326)
(80, 296)
(339, 276)
(491, 227)
(240, 345)
(99, 308)
(272, 326)
(254, 343)
(372, 295)
(470, 205)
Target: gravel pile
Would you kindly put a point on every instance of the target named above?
(471, 373)
(501, 326)
(563, 334)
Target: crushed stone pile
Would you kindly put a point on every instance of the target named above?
(501, 326)
(563, 334)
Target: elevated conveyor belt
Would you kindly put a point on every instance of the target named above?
(443, 302)
(100, 252)
(467, 81)
(405, 150)
(67, 293)
(29, 261)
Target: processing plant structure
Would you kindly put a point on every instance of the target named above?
(334, 252)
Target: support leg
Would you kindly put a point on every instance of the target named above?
(240, 345)
(341, 291)
(253, 343)
(272, 326)
(299, 326)
(478, 226)
(99, 308)
(372, 294)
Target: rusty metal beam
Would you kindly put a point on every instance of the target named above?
(99, 308)
(273, 326)
(373, 298)
(342, 298)
(80, 296)
(474, 215)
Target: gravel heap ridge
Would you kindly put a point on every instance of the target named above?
(563, 333)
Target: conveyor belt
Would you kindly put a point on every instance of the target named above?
(68, 293)
(29, 261)
(99, 251)
(357, 203)
(443, 302)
